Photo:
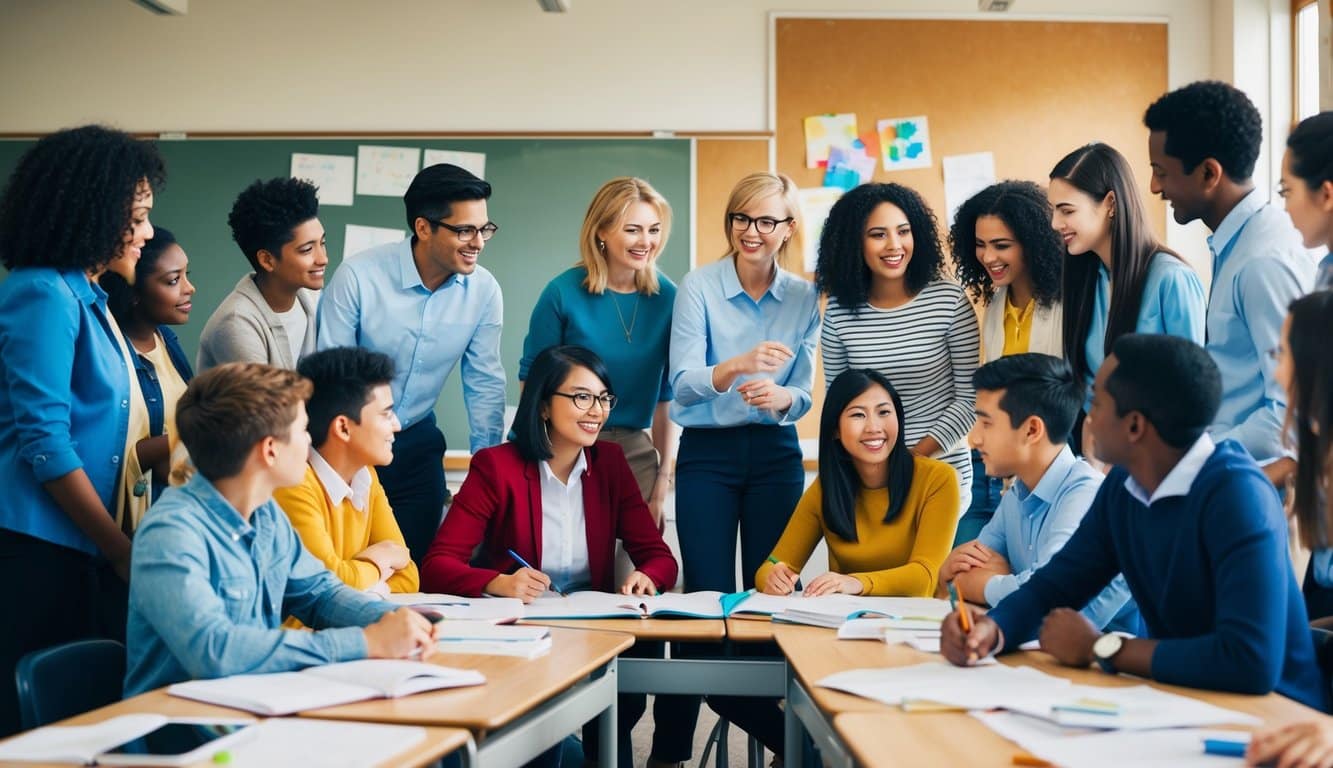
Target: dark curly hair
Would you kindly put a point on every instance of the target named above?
(1023, 207)
(1207, 119)
(68, 203)
(841, 271)
(119, 293)
(1311, 147)
(266, 213)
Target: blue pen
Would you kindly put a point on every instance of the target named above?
(1224, 747)
(528, 565)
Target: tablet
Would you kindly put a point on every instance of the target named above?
(180, 741)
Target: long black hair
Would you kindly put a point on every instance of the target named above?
(839, 483)
(841, 271)
(1024, 209)
(1099, 170)
(549, 370)
(1311, 147)
(1310, 414)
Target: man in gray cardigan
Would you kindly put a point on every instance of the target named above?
(270, 316)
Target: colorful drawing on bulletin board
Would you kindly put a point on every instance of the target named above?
(825, 131)
(848, 168)
(815, 205)
(904, 143)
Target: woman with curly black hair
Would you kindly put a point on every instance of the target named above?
(890, 310)
(1010, 260)
(76, 206)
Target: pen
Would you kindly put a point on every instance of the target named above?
(955, 599)
(1225, 747)
(528, 565)
(1023, 758)
(774, 560)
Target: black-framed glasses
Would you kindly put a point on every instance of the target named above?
(764, 225)
(583, 400)
(467, 232)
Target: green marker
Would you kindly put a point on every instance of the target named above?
(222, 757)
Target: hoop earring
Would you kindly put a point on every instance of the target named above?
(546, 430)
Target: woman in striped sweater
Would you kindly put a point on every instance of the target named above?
(890, 310)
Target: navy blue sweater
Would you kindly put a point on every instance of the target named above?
(1210, 573)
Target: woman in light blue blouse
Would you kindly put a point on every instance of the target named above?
(743, 341)
(76, 206)
(1119, 278)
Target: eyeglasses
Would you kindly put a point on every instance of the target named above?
(466, 233)
(764, 225)
(583, 400)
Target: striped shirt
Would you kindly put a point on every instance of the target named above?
(928, 348)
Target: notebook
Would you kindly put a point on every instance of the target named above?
(82, 744)
(606, 605)
(500, 610)
(833, 611)
(487, 639)
(325, 686)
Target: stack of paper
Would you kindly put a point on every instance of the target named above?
(1095, 748)
(493, 609)
(605, 605)
(833, 610)
(487, 639)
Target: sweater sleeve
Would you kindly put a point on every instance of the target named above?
(447, 566)
(803, 533)
(1246, 648)
(937, 520)
(306, 506)
(384, 527)
(546, 327)
(964, 352)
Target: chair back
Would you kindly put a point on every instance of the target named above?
(67, 680)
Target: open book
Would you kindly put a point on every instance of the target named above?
(487, 639)
(605, 605)
(83, 744)
(833, 610)
(325, 686)
(499, 610)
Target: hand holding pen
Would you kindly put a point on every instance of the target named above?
(526, 584)
(967, 636)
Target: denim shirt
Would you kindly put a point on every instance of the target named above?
(148, 379)
(64, 400)
(209, 591)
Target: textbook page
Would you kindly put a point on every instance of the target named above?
(584, 605)
(988, 686)
(392, 678)
(77, 743)
(326, 743)
(696, 605)
(492, 609)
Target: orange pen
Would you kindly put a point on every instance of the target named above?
(963, 616)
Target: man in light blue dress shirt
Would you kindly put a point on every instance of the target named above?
(217, 566)
(1203, 143)
(427, 304)
(1026, 407)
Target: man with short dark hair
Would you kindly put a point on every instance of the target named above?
(1203, 142)
(216, 566)
(428, 305)
(1196, 529)
(1026, 407)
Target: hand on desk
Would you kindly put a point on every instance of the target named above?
(964, 649)
(401, 634)
(829, 583)
(527, 584)
(1307, 744)
(781, 580)
(1067, 635)
(638, 584)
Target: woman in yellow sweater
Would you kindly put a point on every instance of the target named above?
(888, 516)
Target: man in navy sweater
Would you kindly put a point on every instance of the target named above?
(1195, 527)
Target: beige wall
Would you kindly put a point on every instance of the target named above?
(438, 65)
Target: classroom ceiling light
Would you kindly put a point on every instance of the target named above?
(995, 6)
(554, 6)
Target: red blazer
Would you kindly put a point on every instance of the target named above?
(499, 508)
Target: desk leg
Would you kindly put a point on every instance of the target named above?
(793, 739)
(803, 716)
(467, 756)
(607, 725)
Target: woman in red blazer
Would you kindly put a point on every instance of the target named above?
(559, 499)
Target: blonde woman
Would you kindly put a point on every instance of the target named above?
(742, 365)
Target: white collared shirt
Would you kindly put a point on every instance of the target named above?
(1178, 481)
(564, 527)
(337, 488)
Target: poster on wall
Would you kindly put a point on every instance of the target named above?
(474, 162)
(334, 175)
(385, 171)
(964, 176)
(823, 132)
(815, 205)
(904, 143)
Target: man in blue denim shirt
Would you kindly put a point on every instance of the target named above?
(216, 566)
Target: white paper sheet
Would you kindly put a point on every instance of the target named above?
(326, 743)
(357, 238)
(385, 171)
(980, 687)
(468, 161)
(335, 175)
(815, 205)
(1175, 748)
(964, 176)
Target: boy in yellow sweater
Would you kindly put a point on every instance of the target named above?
(339, 509)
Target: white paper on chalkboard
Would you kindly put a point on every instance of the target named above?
(385, 171)
(468, 161)
(335, 175)
(357, 238)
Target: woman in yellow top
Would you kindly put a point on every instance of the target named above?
(888, 515)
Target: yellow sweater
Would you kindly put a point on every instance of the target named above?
(336, 535)
(900, 558)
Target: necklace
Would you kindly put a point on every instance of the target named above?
(634, 317)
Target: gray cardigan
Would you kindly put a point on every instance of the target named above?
(244, 329)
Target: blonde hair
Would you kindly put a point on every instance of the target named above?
(758, 186)
(608, 209)
(228, 409)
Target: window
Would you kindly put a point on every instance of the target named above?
(1305, 49)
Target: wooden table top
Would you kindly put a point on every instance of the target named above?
(513, 686)
(758, 629)
(438, 742)
(692, 630)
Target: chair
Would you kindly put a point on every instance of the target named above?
(66, 680)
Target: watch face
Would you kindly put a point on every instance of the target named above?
(1107, 646)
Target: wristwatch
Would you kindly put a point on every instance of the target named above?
(1105, 648)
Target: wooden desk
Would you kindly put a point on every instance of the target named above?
(438, 742)
(526, 705)
(936, 738)
(813, 653)
(756, 630)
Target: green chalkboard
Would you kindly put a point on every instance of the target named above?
(541, 190)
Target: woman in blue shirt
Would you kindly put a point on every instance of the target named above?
(743, 338)
(75, 206)
(161, 296)
(1119, 278)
